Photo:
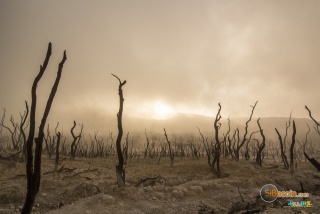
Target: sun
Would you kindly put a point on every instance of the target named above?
(162, 111)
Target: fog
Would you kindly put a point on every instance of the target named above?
(177, 57)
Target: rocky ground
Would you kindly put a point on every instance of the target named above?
(88, 186)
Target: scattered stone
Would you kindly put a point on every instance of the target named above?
(177, 193)
(106, 199)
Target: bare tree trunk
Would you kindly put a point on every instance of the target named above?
(259, 157)
(283, 156)
(57, 149)
(75, 142)
(23, 121)
(206, 148)
(237, 150)
(292, 146)
(215, 165)
(34, 168)
(313, 161)
(147, 147)
(120, 172)
(171, 153)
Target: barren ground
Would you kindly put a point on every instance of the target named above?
(88, 186)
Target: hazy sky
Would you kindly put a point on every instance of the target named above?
(177, 56)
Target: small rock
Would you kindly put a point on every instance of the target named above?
(177, 194)
(197, 189)
(106, 199)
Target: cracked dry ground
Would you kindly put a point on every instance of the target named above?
(88, 186)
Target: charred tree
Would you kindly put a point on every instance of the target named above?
(206, 148)
(261, 146)
(313, 161)
(288, 124)
(292, 146)
(33, 166)
(244, 139)
(314, 120)
(57, 148)
(49, 143)
(23, 121)
(171, 153)
(75, 141)
(13, 131)
(246, 154)
(147, 146)
(215, 165)
(283, 155)
(120, 171)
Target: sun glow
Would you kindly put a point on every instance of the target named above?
(162, 110)
(157, 109)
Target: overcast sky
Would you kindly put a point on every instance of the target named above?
(177, 56)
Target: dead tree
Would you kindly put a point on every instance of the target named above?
(57, 148)
(49, 142)
(33, 166)
(225, 140)
(313, 161)
(292, 145)
(216, 150)
(246, 154)
(120, 171)
(244, 139)
(75, 141)
(314, 120)
(171, 153)
(148, 143)
(288, 124)
(261, 146)
(206, 147)
(162, 153)
(283, 155)
(22, 131)
(13, 131)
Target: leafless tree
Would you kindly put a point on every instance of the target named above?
(244, 139)
(206, 147)
(288, 124)
(75, 141)
(120, 171)
(260, 146)
(313, 161)
(148, 143)
(283, 155)
(58, 135)
(216, 148)
(292, 146)
(247, 154)
(15, 131)
(171, 153)
(33, 166)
